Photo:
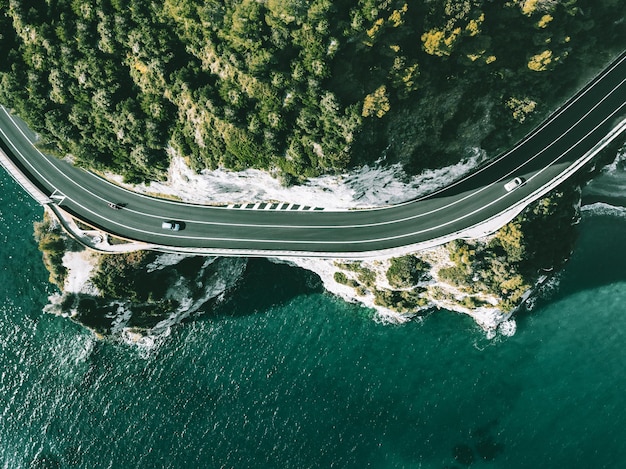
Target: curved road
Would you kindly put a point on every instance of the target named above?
(554, 150)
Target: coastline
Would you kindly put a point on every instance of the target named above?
(415, 300)
(492, 319)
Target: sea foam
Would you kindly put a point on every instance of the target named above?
(610, 185)
(604, 209)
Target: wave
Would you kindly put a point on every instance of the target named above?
(618, 165)
(603, 209)
(544, 291)
(508, 328)
(610, 185)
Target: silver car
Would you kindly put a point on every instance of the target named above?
(513, 184)
(170, 225)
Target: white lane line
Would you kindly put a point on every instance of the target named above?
(287, 206)
(99, 216)
(360, 241)
(389, 238)
(26, 161)
(341, 227)
(588, 87)
(288, 226)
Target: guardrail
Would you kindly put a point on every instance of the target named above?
(484, 228)
(481, 229)
(15, 172)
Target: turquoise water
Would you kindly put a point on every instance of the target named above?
(308, 381)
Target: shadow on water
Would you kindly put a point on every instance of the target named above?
(598, 260)
(481, 445)
(264, 285)
(599, 255)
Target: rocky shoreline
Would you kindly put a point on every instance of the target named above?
(141, 294)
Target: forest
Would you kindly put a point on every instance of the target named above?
(299, 88)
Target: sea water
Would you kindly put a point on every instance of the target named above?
(282, 375)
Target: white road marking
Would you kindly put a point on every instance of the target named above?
(340, 227)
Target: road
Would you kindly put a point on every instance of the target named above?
(553, 151)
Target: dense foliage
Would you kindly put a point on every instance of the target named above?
(406, 271)
(537, 241)
(53, 244)
(296, 87)
(122, 276)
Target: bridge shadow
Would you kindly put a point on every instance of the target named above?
(264, 285)
(597, 261)
(599, 255)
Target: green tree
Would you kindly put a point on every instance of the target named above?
(376, 103)
(406, 271)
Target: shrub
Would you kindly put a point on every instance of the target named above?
(51, 241)
(367, 276)
(454, 275)
(341, 278)
(121, 276)
(406, 271)
(401, 301)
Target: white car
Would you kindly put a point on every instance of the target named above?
(513, 184)
(170, 225)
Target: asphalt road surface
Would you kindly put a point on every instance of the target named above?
(543, 155)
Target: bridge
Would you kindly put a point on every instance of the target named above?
(473, 206)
